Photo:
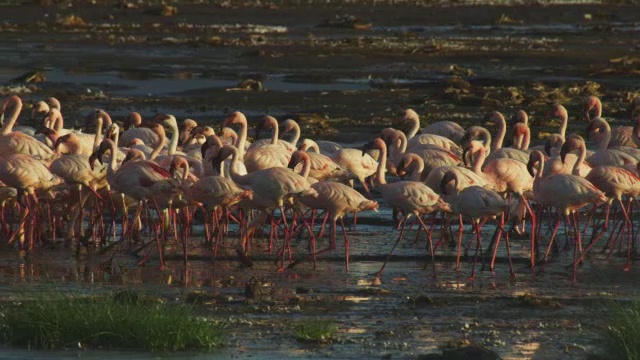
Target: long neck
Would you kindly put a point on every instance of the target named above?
(502, 131)
(58, 122)
(382, 166)
(173, 142)
(403, 142)
(159, 146)
(540, 170)
(306, 167)
(606, 136)
(235, 176)
(415, 126)
(527, 139)
(565, 121)
(96, 139)
(7, 128)
(243, 139)
(479, 161)
(276, 133)
(113, 162)
(296, 134)
(598, 108)
(581, 156)
(416, 168)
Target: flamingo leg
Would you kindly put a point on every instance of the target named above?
(429, 241)
(404, 224)
(346, 243)
(475, 260)
(553, 236)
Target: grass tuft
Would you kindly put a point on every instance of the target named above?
(621, 340)
(56, 321)
(317, 331)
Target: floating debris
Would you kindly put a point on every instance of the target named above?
(346, 21)
(34, 76)
(248, 85)
(71, 21)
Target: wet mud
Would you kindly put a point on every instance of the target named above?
(344, 70)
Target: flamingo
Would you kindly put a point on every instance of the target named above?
(432, 155)
(271, 187)
(212, 192)
(410, 197)
(607, 154)
(259, 158)
(614, 181)
(496, 149)
(565, 192)
(185, 130)
(28, 176)
(620, 136)
(479, 204)
(272, 123)
(13, 142)
(337, 200)
(448, 129)
(321, 167)
(133, 131)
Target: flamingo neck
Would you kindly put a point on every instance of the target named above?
(502, 131)
(306, 167)
(565, 121)
(581, 156)
(96, 139)
(296, 133)
(7, 128)
(598, 107)
(112, 161)
(416, 168)
(276, 133)
(415, 126)
(235, 176)
(159, 146)
(606, 136)
(403, 142)
(526, 140)
(479, 161)
(382, 165)
(58, 122)
(173, 142)
(243, 138)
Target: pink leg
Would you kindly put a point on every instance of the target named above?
(346, 243)
(404, 223)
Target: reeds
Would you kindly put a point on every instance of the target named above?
(316, 331)
(56, 321)
(621, 340)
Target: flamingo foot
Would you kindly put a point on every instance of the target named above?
(627, 267)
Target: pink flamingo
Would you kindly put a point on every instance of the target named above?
(410, 197)
(567, 193)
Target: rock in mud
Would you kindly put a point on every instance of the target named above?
(257, 290)
(470, 352)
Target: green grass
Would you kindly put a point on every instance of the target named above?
(55, 321)
(315, 330)
(621, 336)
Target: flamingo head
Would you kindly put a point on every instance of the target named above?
(288, 125)
(134, 119)
(297, 157)
(557, 111)
(222, 154)
(520, 117)
(448, 177)
(590, 103)
(376, 143)
(235, 117)
(60, 141)
(534, 159)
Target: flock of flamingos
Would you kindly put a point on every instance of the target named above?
(59, 182)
